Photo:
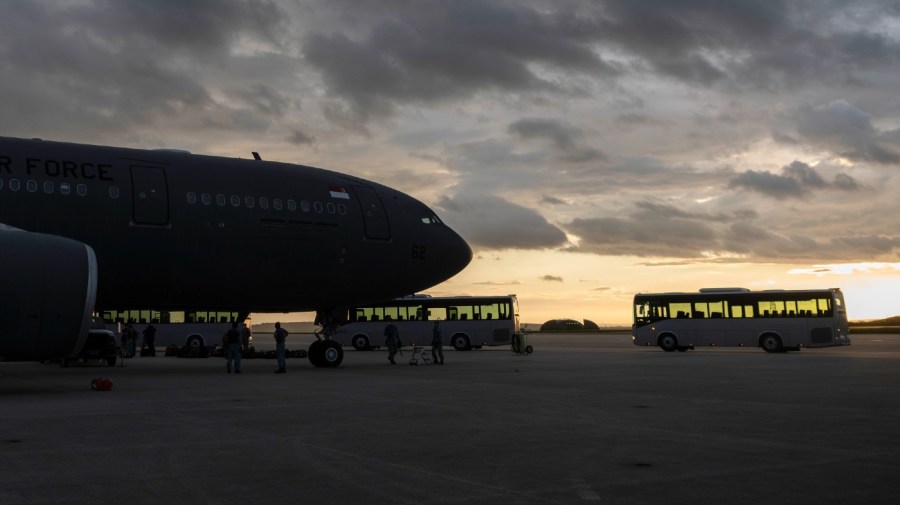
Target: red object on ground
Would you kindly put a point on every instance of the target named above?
(101, 384)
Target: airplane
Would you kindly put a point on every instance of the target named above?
(85, 228)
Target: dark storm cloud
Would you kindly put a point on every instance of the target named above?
(491, 222)
(798, 181)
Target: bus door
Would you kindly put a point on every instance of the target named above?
(374, 215)
(150, 196)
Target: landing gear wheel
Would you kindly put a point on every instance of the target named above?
(194, 342)
(315, 353)
(325, 354)
(529, 349)
(771, 343)
(668, 342)
(332, 354)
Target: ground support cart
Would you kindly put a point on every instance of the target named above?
(520, 343)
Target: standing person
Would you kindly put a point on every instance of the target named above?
(149, 342)
(280, 336)
(233, 343)
(245, 337)
(130, 335)
(437, 344)
(392, 341)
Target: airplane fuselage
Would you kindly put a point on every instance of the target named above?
(174, 230)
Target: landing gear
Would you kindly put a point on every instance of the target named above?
(325, 353)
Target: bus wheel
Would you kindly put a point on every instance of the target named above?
(771, 343)
(529, 349)
(332, 354)
(460, 342)
(668, 342)
(194, 342)
(361, 342)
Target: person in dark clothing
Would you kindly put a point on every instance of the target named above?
(437, 344)
(245, 337)
(280, 337)
(392, 341)
(149, 342)
(233, 343)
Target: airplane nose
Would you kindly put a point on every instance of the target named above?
(456, 253)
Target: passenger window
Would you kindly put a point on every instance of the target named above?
(235, 201)
(277, 203)
(291, 205)
(31, 186)
(191, 197)
(14, 185)
(114, 192)
(81, 189)
(250, 202)
(342, 209)
(48, 187)
(220, 200)
(263, 203)
(304, 206)
(206, 198)
(65, 188)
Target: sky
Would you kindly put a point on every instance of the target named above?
(586, 150)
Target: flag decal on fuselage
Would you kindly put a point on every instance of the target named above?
(339, 192)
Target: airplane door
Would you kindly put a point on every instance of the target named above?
(150, 196)
(374, 215)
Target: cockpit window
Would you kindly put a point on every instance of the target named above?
(432, 219)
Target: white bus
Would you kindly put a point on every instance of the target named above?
(776, 320)
(193, 328)
(466, 321)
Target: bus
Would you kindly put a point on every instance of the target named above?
(192, 328)
(776, 320)
(466, 321)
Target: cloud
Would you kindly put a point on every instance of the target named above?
(565, 138)
(848, 131)
(664, 231)
(797, 181)
(491, 222)
(442, 51)
(552, 278)
(122, 68)
(298, 137)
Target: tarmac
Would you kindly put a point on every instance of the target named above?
(586, 418)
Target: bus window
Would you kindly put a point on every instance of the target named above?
(437, 314)
(681, 310)
(741, 311)
(716, 309)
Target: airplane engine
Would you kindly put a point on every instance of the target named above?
(48, 285)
